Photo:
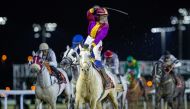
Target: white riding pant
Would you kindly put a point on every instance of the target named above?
(96, 49)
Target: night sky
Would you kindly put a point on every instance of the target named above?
(128, 35)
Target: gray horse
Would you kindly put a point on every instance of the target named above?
(166, 88)
(70, 64)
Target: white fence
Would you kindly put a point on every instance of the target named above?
(30, 92)
(6, 93)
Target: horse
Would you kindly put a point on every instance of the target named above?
(47, 87)
(70, 64)
(134, 91)
(121, 96)
(89, 87)
(166, 88)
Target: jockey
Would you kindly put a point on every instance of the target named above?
(132, 65)
(112, 61)
(169, 63)
(48, 55)
(76, 41)
(97, 31)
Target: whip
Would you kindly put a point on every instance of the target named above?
(117, 10)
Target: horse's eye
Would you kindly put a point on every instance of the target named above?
(74, 54)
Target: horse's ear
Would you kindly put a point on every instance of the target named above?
(80, 47)
(40, 55)
(67, 47)
(33, 53)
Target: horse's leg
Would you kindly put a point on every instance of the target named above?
(68, 102)
(93, 104)
(113, 99)
(76, 104)
(49, 106)
(79, 102)
(158, 100)
(99, 105)
(38, 103)
(73, 95)
(145, 101)
(120, 102)
(68, 96)
(53, 105)
(72, 103)
(171, 103)
(124, 100)
(166, 104)
(179, 100)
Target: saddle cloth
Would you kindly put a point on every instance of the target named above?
(62, 78)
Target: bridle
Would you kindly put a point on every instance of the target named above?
(68, 59)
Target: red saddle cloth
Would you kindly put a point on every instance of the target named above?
(62, 78)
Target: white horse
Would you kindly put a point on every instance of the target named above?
(47, 87)
(89, 87)
(125, 83)
(70, 64)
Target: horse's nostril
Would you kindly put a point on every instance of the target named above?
(87, 69)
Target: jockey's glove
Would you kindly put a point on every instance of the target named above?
(86, 46)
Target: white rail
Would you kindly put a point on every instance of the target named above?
(30, 92)
(6, 93)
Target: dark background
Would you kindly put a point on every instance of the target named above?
(128, 35)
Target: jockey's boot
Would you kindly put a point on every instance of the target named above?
(107, 82)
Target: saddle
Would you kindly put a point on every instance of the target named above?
(106, 77)
(61, 78)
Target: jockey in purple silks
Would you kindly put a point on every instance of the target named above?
(97, 30)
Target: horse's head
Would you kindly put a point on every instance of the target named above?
(36, 63)
(70, 57)
(85, 59)
(158, 72)
(130, 76)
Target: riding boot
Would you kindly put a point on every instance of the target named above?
(107, 82)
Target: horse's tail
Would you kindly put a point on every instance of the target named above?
(119, 88)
